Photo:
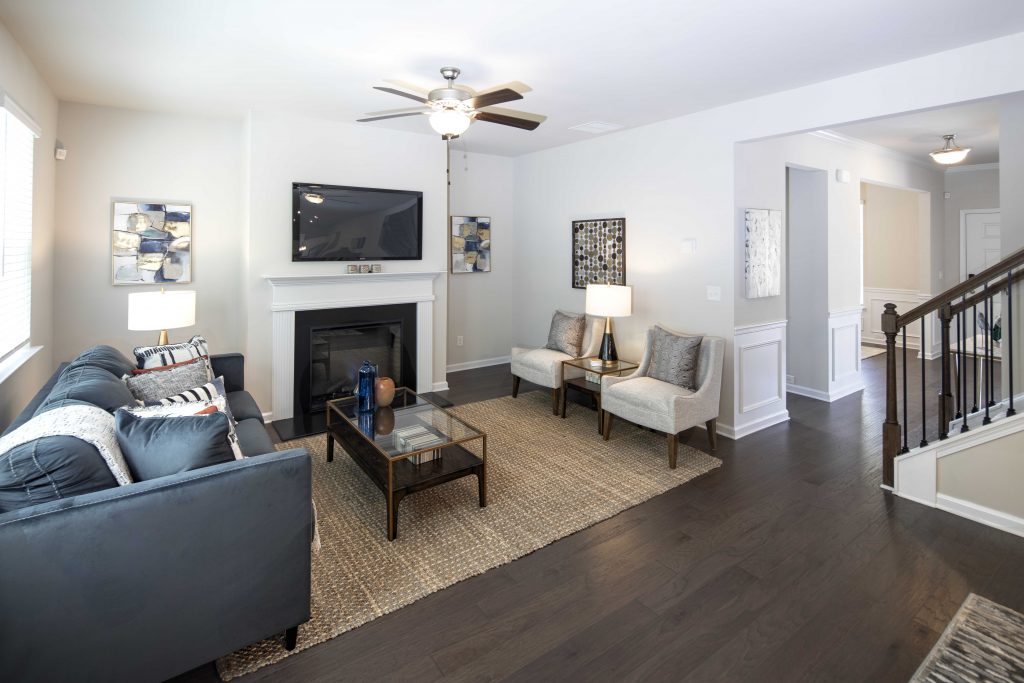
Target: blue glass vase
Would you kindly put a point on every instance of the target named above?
(367, 379)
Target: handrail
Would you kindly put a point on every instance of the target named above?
(982, 295)
(936, 302)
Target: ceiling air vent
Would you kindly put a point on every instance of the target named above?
(596, 127)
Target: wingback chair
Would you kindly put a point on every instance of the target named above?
(544, 366)
(667, 407)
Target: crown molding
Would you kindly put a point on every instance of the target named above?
(994, 166)
(830, 135)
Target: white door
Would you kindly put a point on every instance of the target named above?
(981, 241)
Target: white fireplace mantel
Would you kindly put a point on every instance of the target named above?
(293, 293)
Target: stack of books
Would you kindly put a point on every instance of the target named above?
(417, 437)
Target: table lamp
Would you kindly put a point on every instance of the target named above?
(161, 311)
(610, 301)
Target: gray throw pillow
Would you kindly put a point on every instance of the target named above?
(566, 334)
(153, 385)
(159, 446)
(674, 358)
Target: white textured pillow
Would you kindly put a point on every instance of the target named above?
(154, 384)
(193, 408)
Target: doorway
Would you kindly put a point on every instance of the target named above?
(980, 240)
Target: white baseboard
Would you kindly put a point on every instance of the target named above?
(268, 417)
(746, 430)
(980, 514)
(482, 363)
(440, 386)
(819, 395)
(843, 392)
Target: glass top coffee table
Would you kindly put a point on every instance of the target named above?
(409, 446)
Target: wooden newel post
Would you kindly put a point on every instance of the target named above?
(891, 428)
(946, 397)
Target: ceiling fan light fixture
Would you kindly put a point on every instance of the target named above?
(313, 198)
(951, 153)
(449, 122)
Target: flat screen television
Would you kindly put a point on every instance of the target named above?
(336, 223)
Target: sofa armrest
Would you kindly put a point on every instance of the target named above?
(232, 367)
(155, 578)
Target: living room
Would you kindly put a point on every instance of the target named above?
(730, 540)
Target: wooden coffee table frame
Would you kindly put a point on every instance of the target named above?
(395, 475)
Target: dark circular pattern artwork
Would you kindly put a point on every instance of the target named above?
(599, 252)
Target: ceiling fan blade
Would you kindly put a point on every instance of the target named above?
(393, 91)
(494, 97)
(504, 120)
(391, 116)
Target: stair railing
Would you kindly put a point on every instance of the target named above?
(973, 314)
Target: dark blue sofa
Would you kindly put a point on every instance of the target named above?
(146, 581)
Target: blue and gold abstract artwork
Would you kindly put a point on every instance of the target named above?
(471, 244)
(151, 243)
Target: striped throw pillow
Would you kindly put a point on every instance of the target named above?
(171, 354)
(207, 392)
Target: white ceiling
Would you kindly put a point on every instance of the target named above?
(976, 126)
(629, 63)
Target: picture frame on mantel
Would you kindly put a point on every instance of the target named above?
(150, 242)
(598, 252)
(469, 244)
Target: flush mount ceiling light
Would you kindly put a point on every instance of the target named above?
(951, 153)
(313, 198)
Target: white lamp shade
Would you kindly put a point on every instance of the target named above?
(449, 122)
(161, 310)
(610, 301)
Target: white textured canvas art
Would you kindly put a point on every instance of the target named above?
(763, 265)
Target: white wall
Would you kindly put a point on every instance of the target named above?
(118, 153)
(283, 149)
(479, 309)
(969, 188)
(20, 80)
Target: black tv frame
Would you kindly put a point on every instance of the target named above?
(297, 192)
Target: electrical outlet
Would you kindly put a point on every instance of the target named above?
(458, 340)
(714, 293)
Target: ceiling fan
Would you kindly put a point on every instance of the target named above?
(452, 109)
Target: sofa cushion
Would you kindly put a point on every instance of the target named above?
(253, 438)
(153, 384)
(105, 357)
(51, 468)
(159, 446)
(643, 394)
(243, 406)
(91, 385)
(674, 358)
(566, 333)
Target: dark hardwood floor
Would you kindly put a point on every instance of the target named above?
(787, 563)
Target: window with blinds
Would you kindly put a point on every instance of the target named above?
(17, 137)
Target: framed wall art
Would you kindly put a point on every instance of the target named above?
(598, 252)
(470, 244)
(762, 238)
(151, 243)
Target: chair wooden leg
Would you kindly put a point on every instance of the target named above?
(515, 386)
(673, 450)
(554, 401)
(291, 638)
(712, 427)
(607, 431)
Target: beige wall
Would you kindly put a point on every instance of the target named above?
(118, 153)
(891, 233)
(989, 474)
(20, 80)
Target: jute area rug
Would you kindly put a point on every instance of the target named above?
(547, 478)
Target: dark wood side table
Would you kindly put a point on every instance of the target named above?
(593, 389)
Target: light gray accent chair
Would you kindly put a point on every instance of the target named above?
(663, 406)
(544, 366)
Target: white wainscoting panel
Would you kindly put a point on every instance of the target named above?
(759, 362)
(844, 376)
(875, 300)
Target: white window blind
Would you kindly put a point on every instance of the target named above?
(17, 138)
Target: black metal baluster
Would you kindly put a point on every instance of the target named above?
(963, 365)
(959, 369)
(1009, 337)
(974, 359)
(906, 419)
(924, 424)
(987, 307)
